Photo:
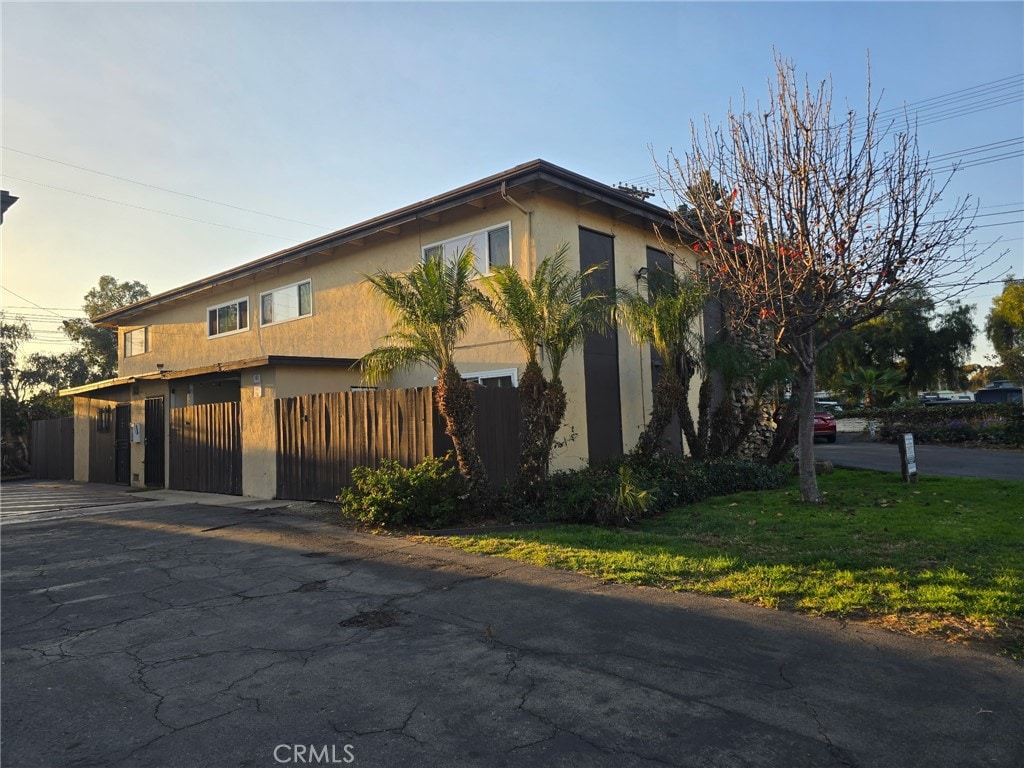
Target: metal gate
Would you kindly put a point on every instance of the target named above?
(155, 442)
(123, 445)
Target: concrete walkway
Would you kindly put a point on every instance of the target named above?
(158, 634)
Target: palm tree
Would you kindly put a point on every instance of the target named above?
(548, 315)
(872, 383)
(665, 320)
(432, 305)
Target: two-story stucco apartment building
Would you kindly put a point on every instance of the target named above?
(295, 322)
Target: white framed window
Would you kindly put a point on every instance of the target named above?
(286, 303)
(492, 246)
(136, 342)
(505, 378)
(229, 317)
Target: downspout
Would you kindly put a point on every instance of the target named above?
(530, 266)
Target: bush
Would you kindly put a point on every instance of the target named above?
(614, 493)
(992, 423)
(429, 495)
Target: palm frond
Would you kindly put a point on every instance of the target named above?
(549, 311)
(432, 305)
(665, 318)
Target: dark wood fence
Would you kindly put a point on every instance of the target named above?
(206, 448)
(321, 438)
(52, 449)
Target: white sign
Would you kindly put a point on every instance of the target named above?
(908, 441)
(257, 385)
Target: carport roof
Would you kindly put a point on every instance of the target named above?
(237, 365)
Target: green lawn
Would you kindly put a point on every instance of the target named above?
(943, 556)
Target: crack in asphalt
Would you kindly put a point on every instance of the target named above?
(837, 753)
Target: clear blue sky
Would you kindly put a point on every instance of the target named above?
(332, 113)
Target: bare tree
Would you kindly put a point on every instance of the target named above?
(815, 222)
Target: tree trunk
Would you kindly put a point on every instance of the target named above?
(805, 433)
(665, 397)
(535, 442)
(555, 404)
(455, 402)
(784, 432)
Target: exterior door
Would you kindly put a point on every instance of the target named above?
(122, 445)
(155, 441)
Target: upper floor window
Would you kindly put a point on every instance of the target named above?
(136, 342)
(229, 317)
(286, 303)
(492, 247)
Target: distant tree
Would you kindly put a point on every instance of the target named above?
(30, 389)
(99, 345)
(1005, 327)
(56, 372)
(432, 305)
(929, 349)
(13, 333)
(548, 315)
(828, 219)
(14, 411)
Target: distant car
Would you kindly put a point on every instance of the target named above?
(824, 424)
(1000, 392)
(831, 406)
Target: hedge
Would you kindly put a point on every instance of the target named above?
(992, 423)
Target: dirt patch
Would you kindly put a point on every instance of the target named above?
(1004, 637)
(322, 511)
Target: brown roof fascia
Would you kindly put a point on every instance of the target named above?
(96, 386)
(536, 170)
(256, 362)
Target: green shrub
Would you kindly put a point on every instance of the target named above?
(994, 423)
(428, 495)
(613, 493)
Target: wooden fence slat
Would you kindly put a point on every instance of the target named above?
(206, 448)
(321, 438)
(52, 448)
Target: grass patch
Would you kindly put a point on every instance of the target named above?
(941, 557)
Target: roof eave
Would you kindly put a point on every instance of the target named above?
(536, 170)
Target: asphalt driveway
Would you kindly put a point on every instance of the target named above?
(943, 460)
(157, 634)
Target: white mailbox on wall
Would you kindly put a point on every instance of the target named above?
(136, 433)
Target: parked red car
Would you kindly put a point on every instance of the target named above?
(824, 424)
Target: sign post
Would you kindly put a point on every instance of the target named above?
(907, 458)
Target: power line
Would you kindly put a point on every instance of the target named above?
(163, 189)
(1006, 90)
(30, 302)
(48, 309)
(151, 210)
(999, 84)
(979, 148)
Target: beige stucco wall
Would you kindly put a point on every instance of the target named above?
(259, 426)
(347, 321)
(86, 415)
